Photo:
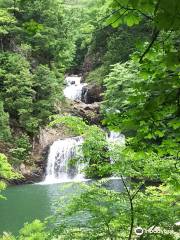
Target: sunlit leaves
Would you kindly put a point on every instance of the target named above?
(163, 14)
(35, 230)
(132, 20)
(6, 172)
(6, 21)
(123, 17)
(75, 125)
(32, 27)
(144, 106)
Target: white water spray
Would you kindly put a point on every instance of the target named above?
(59, 168)
(74, 88)
(116, 138)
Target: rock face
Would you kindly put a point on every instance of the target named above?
(32, 173)
(48, 135)
(90, 112)
(91, 94)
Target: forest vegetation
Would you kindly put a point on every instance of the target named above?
(131, 48)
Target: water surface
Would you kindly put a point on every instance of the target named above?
(28, 202)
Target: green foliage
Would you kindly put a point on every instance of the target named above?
(110, 46)
(118, 44)
(122, 76)
(6, 172)
(97, 76)
(96, 154)
(75, 125)
(5, 132)
(47, 90)
(35, 55)
(88, 16)
(163, 14)
(21, 150)
(139, 104)
(33, 231)
(16, 86)
(7, 236)
(143, 105)
(107, 213)
(141, 99)
(102, 212)
(6, 22)
(94, 148)
(123, 42)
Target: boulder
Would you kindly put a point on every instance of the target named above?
(48, 135)
(91, 94)
(29, 174)
(90, 112)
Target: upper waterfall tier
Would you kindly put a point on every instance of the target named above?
(73, 90)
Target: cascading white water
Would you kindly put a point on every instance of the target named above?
(61, 152)
(58, 167)
(116, 138)
(74, 88)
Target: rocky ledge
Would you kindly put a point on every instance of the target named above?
(90, 112)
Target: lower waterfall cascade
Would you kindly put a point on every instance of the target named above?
(61, 152)
(58, 166)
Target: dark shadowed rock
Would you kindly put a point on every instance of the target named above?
(91, 94)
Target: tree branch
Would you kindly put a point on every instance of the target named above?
(134, 195)
(107, 16)
(154, 38)
(131, 208)
(134, 9)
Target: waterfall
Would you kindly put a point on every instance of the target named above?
(73, 90)
(59, 168)
(116, 138)
(61, 152)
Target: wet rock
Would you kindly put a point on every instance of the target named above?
(90, 112)
(91, 94)
(29, 174)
